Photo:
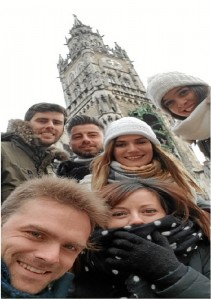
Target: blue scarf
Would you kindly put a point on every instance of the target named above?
(60, 288)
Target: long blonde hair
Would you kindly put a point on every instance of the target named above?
(101, 169)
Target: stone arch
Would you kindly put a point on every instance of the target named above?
(71, 77)
(80, 68)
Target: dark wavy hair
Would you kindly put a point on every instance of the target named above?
(83, 120)
(173, 199)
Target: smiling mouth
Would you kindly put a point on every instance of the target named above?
(134, 157)
(32, 269)
(189, 109)
(48, 134)
(87, 147)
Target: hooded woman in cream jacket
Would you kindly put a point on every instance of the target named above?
(187, 99)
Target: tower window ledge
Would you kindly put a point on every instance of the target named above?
(115, 92)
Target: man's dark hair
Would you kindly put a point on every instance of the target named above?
(44, 107)
(82, 120)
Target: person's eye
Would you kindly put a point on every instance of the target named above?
(184, 92)
(119, 145)
(93, 135)
(35, 234)
(58, 123)
(142, 141)
(150, 211)
(72, 247)
(119, 214)
(168, 103)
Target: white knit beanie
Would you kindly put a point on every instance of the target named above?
(128, 126)
(160, 84)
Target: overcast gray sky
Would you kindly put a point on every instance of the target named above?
(158, 35)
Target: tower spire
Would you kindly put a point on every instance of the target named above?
(76, 21)
(101, 81)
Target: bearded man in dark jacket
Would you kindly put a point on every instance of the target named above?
(86, 141)
(27, 148)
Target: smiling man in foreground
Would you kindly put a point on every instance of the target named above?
(46, 223)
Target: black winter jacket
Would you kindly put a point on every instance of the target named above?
(95, 279)
(74, 169)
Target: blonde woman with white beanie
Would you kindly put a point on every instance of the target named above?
(131, 151)
(187, 99)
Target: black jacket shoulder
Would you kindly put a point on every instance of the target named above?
(73, 169)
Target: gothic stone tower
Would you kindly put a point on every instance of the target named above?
(101, 81)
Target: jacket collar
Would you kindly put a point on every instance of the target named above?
(22, 132)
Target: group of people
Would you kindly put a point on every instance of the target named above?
(121, 218)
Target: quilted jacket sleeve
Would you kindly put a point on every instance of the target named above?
(195, 283)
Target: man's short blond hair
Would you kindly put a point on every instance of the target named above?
(62, 190)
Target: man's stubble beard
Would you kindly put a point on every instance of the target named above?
(87, 154)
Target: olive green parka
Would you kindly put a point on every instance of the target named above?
(23, 158)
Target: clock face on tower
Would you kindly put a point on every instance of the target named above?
(111, 63)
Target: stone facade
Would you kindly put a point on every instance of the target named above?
(101, 81)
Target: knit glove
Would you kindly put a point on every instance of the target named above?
(80, 173)
(64, 168)
(150, 260)
(74, 170)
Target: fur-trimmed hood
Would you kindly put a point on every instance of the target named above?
(22, 131)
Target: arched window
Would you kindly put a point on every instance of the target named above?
(126, 82)
(71, 77)
(111, 78)
(80, 68)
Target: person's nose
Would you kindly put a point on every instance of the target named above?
(50, 124)
(136, 219)
(86, 139)
(49, 253)
(181, 102)
(131, 147)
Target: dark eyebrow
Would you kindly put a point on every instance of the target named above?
(46, 119)
(88, 132)
(141, 138)
(81, 133)
(41, 118)
(141, 206)
(176, 91)
(75, 134)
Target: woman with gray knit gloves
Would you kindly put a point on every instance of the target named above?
(187, 99)
(131, 151)
(156, 245)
